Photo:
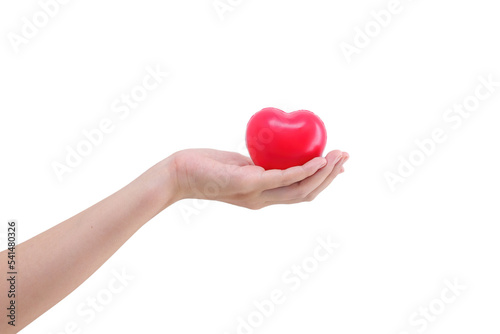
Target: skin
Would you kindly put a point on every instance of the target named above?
(47, 272)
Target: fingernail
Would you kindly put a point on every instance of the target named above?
(337, 159)
(323, 163)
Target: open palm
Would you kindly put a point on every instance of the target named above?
(233, 178)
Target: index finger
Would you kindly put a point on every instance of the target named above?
(275, 178)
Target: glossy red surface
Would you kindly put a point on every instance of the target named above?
(279, 140)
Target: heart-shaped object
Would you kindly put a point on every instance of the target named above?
(279, 140)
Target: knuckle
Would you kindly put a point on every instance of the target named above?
(301, 193)
(254, 207)
(309, 198)
(289, 177)
(286, 179)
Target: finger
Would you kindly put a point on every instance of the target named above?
(302, 188)
(334, 172)
(276, 178)
(339, 168)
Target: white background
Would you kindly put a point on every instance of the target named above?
(198, 273)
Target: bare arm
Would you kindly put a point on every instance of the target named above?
(57, 261)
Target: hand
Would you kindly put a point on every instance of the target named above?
(233, 178)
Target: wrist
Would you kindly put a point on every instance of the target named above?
(165, 188)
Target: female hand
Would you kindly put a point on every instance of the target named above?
(92, 236)
(233, 178)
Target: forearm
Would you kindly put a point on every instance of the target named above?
(54, 263)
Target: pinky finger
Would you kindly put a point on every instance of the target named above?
(339, 168)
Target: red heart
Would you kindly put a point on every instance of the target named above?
(279, 140)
